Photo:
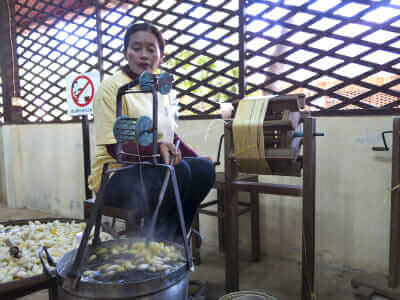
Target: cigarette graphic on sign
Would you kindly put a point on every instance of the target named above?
(81, 89)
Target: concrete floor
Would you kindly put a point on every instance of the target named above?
(277, 277)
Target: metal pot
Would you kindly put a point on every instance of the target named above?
(160, 285)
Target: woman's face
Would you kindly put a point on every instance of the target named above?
(143, 52)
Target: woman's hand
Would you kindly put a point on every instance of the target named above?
(168, 149)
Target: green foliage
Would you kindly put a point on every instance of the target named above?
(186, 61)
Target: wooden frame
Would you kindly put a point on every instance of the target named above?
(306, 191)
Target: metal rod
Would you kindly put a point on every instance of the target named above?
(181, 218)
(161, 196)
(97, 209)
(155, 123)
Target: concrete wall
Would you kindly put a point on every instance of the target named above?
(353, 184)
(44, 169)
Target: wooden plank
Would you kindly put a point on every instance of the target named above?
(267, 188)
(286, 167)
(394, 247)
(231, 226)
(255, 226)
(308, 249)
(281, 153)
(221, 212)
(277, 154)
(279, 124)
(282, 102)
(9, 66)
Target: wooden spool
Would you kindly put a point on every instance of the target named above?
(282, 149)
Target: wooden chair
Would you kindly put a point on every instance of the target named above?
(251, 206)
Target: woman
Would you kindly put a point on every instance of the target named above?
(138, 187)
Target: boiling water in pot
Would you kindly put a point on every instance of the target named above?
(131, 260)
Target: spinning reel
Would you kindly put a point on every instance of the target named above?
(142, 129)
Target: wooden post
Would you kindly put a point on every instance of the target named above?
(394, 249)
(231, 227)
(86, 154)
(8, 61)
(255, 226)
(242, 49)
(221, 232)
(308, 249)
(99, 39)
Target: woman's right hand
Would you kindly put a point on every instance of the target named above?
(168, 149)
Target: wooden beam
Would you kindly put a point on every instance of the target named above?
(267, 188)
(308, 233)
(242, 49)
(8, 61)
(394, 247)
(231, 225)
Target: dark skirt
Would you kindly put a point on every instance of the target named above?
(138, 188)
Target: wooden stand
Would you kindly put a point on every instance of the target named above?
(379, 285)
(284, 158)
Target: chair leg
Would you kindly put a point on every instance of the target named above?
(220, 204)
(86, 211)
(255, 226)
(53, 292)
(195, 240)
(131, 224)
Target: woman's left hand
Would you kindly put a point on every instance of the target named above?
(166, 149)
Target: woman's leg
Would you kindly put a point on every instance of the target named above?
(168, 221)
(203, 179)
(138, 188)
(196, 176)
(135, 188)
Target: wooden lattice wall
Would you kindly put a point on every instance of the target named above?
(342, 54)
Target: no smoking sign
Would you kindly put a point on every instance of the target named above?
(81, 89)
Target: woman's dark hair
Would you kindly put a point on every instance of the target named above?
(135, 27)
